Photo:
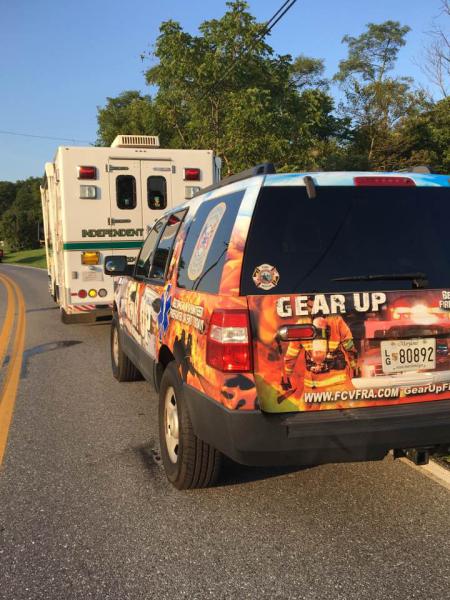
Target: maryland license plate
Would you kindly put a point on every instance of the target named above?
(408, 355)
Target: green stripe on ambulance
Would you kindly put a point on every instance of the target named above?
(101, 245)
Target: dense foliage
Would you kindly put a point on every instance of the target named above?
(227, 89)
(20, 214)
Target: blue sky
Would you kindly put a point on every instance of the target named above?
(59, 60)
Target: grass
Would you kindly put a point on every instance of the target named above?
(32, 258)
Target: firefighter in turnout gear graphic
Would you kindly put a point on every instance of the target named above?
(329, 361)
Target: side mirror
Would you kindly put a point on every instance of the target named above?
(117, 265)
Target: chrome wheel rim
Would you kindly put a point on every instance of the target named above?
(115, 346)
(171, 425)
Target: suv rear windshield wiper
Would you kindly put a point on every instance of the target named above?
(419, 280)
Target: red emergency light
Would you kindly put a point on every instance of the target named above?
(191, 174)
(87, 172)
(381, 181)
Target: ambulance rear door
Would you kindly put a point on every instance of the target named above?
(156, 186)
(140, 191)
(125, 217)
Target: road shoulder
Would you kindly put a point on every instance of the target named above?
(433, 471)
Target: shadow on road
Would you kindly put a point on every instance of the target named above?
(48, 347)
(232, 473)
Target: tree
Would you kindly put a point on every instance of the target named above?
(7, 195)
(19, 223)
(437, 55)
(130, 112)
(375, 101)
(222, 89)
(307, 72)
(423, 138)
(372, 54)
(227, 90)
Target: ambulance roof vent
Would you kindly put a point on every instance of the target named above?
(136, 141)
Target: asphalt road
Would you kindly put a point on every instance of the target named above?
(86, 511)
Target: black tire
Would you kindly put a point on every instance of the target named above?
(55, 294)
(122, 367)
(197, 464)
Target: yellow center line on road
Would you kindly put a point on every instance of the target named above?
(9, 391)
(8, 323)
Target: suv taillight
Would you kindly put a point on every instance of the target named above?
(228, 345)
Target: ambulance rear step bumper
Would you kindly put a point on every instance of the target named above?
(102, 312)
(312, 438)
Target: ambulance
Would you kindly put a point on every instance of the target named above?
(99, 201)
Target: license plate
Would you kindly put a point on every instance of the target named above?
(91, 276)
(399, 356)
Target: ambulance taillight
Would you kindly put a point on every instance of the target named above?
(85, 172)
(191, 174)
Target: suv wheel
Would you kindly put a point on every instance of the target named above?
(188, 461)
(122, 367)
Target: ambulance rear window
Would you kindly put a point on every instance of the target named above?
(156, 192)
(126, 192)
(347, 232)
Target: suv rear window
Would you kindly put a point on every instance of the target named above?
(347, 232)
(203, 255)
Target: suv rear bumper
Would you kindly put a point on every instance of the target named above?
(311, 438)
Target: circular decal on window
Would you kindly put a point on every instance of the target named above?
(204, 242)
(266, 277)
